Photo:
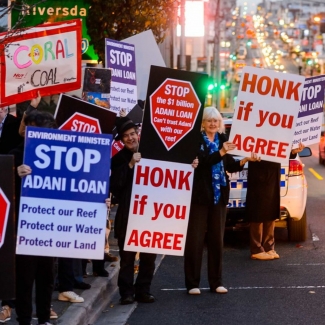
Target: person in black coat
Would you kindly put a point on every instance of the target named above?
(122, 170)
(9, 136)
(210, 197)
(263, 206)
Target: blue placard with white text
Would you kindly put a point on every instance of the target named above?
(62, 209)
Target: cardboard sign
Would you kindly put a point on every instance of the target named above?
(265, 115)
(45, 58)
(120, 58)
(7, 228)
(97, 86)
(159, 209)
(147, 53)
(62, 209)
(75, 114)
(163, 180)
(173, 115)
(309, 122)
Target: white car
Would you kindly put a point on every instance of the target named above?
(293, 196)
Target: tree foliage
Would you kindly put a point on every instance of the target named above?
(119, 19)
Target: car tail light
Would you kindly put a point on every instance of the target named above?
(295, 168)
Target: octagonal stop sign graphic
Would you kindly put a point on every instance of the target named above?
(174, 108)
(81, 123)
(4, 214)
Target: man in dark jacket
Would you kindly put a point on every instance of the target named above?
(122, 170)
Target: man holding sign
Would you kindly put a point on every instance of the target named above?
(121, 186)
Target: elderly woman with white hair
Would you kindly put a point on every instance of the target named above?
(209, 201)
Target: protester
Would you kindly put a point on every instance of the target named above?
(10, 139)
(210, 197)
(122, 170)
(263, 206)
(30, 269)
(9, 126)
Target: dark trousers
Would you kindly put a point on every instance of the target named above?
(30, 269)
(204, 221)
(125, 280)
(9, 303)
(65, 274)
(261, 236)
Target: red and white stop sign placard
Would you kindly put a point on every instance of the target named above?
(4, 214)
(81, 123)
(174, 108)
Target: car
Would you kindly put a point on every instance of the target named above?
(241, 53)
(238, 75)
(240, 64)
(257, 63)
(293, 196)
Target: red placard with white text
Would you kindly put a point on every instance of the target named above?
(46, 58)
(265, 115)
(160, 206)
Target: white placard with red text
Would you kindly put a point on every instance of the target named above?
(265, 115)
(159, 208)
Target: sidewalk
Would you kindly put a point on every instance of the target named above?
(96, 298)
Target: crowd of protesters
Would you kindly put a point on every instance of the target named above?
(206, 221)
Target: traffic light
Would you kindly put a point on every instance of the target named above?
(309, 61)
(249, 42)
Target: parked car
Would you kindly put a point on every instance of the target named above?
(293, 196)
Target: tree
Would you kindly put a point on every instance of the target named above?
(119, 19)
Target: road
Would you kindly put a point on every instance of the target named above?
(285, 291)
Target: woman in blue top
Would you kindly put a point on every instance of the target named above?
(209, 200)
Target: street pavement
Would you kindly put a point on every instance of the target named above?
(96, 298)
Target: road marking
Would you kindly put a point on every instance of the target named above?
(255, 287)
(315, 174)
(312, 264)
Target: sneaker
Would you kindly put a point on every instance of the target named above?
(273, 253)
(221, 290)
(262, 256)
(53, 314)
(70, 296)
(194, 291)
(5, 314)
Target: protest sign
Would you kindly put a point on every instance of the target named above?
(147, 53)
(173, 115)
(309, 122)
(120, 58)
(7, 228)
(163, 179)
(97, 86)
(45, 58)
(62, 209)
(265, 115)
(75, 114)
(159, 208)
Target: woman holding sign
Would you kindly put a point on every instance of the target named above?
(209, 201)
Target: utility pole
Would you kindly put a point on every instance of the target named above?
(182, 54)
(216, 56)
